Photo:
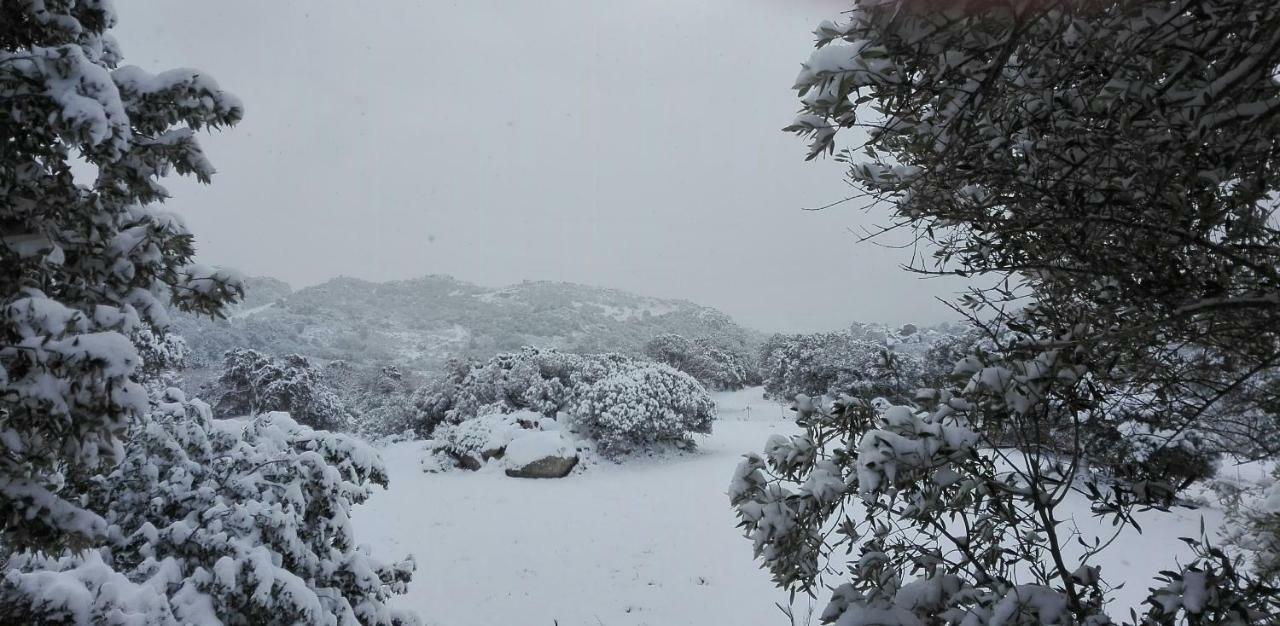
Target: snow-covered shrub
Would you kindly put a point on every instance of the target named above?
(252, 382)
(639, 407)
(836, 363)
(545, 381)
(666, 405)
(1140, 447)
(1253, 522)
(380, 399)
(220, 521)
(160, 356)
(516, 440)
(715, 366)
(944, 350)
(484, 436)
(531, 379)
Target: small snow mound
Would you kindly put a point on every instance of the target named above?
(537, 445)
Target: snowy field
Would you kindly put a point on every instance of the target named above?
(652, 542)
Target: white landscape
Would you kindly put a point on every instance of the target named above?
(645, 543)
(661, 313)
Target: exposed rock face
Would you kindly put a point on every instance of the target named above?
(546, 467)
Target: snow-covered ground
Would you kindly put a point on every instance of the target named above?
(652, 542)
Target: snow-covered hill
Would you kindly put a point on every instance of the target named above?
(420, 323)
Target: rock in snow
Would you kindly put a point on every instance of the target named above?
(543, 454)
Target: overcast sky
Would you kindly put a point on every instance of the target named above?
(624, 144)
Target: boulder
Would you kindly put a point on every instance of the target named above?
(470, 461)
(539, 454)
(546, 467)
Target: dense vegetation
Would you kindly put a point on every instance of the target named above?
(621, 403)
(125, 502)
(1112, 166)
(715, 365)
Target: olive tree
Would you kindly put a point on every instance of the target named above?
(1112, 165)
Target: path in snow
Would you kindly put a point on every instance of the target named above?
(652, 542)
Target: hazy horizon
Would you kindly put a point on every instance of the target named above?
(837, 326)
(635, 147)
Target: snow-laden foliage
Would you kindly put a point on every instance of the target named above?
(641, 406)
(252, 383)
(544, 381)
(380, 398)
(1253, 521)
(949, 529)
(484, 436)
(837, 363)
(118, 511)
(219, 521)
(718, 367)
(1108, 169)
(86, 264)
(624, 404)
(1111, 159)
(945, 349)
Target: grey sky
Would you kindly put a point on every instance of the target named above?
(624, 144)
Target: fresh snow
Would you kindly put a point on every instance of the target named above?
(652, 541)
(535, 445)
(243, 313)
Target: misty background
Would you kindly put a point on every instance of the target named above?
(628, 145)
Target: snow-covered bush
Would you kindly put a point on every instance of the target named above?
(716, 366)
(380, 399)
(665, 405)
(1253, 522)
(545, 381)
(531, 379)
(252, 382)
(484, 436)
(836, 363)
(944, 349)
(639, 407)
(219, 521)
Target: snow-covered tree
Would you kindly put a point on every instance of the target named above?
(1127, 189)
(87, 260)
(1112, 165)
(820, 363)
(716, 366)
(120, 508)
(252, 382)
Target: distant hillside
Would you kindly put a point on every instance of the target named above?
(421, 323)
